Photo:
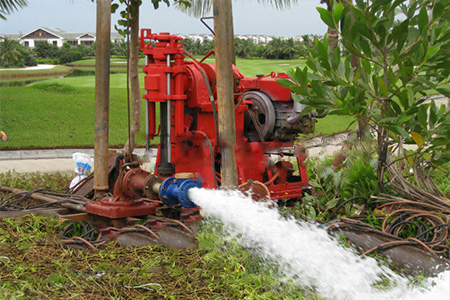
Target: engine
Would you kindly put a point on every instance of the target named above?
(267, 121)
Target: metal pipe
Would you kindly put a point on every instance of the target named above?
(223, 43)
(103, 42)
(40, 197)
(147, 135)
(169, 146)
(297, 109)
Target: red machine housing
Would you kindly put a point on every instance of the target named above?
(267, 120)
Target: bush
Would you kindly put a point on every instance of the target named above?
(47, 61)
(45, 50)
(70, 56)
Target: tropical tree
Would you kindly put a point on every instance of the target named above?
(244, 48)
(291, 49)
(8, 6)
(275, 48)
(403, 53)
(13, 54)
(199, 8)
(9, 52)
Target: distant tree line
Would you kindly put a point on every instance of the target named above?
(277, 48)
(13, 54)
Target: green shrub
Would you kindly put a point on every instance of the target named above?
(47, 61)
(53, 87)
(70, 56)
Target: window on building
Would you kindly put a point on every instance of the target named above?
(27, 44)
(55, 43)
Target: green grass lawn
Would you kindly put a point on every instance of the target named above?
(50, 114)
(248, 67)
(60, 112)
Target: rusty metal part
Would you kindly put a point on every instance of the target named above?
(127, 200)
(151, 187)
(255, 189)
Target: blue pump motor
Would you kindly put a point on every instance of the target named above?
(174, 190)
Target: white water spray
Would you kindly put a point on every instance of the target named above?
(307, 254)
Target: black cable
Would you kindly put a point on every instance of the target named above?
(345, 202)
(433, 228)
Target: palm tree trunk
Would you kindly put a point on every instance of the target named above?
(134, 79)
(134, 62)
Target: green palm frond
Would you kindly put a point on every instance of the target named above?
(200, 8)
(8, 6)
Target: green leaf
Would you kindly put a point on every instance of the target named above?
(326, 17)
(422, 116)
(405, 119)
(441, 141)
(444, 91)
(365, 46)
(382, 86)
(332, 203)
(431, 51)
(314, 183)
(423, 19)
(337, 12)
(285, 82)
(433, 114)
(114, 7)
(427, 156)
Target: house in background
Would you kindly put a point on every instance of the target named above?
(57, 37)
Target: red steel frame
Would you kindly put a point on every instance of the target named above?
(192, 118)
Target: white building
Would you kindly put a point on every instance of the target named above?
(57, 37)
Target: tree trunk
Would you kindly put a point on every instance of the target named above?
(102, 96)
(134, 78)
(223, 27)
(333, 37)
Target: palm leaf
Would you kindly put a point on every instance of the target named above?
(200, 8)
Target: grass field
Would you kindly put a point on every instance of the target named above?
(35, 265)
(248, 67)
(60, 112)
(51, 114)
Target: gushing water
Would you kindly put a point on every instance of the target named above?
(307, 255)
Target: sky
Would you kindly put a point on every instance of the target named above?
(249, 17)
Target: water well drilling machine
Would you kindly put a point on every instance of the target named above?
(267, 121)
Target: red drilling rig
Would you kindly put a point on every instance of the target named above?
(267, 121)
